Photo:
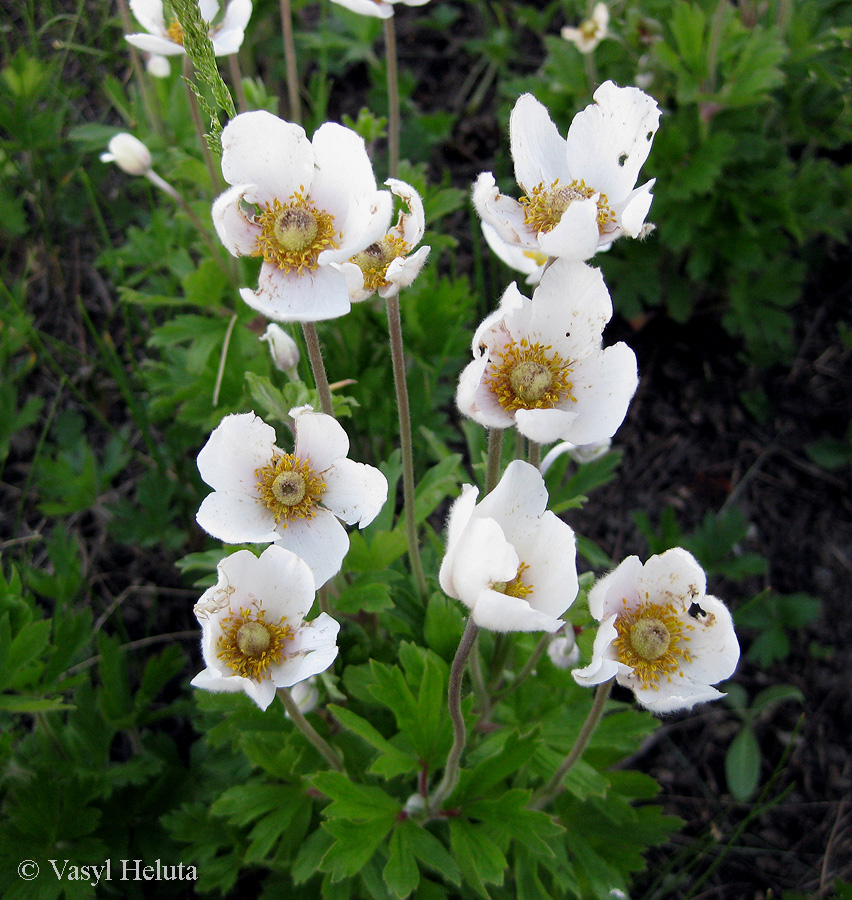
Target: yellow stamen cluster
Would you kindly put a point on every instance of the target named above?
(544, 206)
(249, 645)
(374, 261)
(289, 488)
(526, 376)
(175, 32)
(293, 234)
(516, 587)
(650, 640)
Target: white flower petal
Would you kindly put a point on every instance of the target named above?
(544, 426)
(601, 668)
(610, 593)
(355, 492)
(312, 650)
(402, 271)
(713, 643)
(538, 150)
(366, 222)
(260, 149)
(233, 225)
(503, 213)
(502, 613)
(609, 141)
(671, 577)
(481, 557)
(576, 235)
(236, 448)
(376, 8)
(321, 541)
(603, 384)
(154, 43)
(633, 212)
(320, 439)
(291, 297)
(149, 14)
(410, 226)
(236, 518)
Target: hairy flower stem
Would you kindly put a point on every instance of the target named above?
(237, 79)
(495, 447)
(290, 59)
(534, 454)
(212, 168)
(331, 756)
(393, 97)
(528, 669)
(554, 786)
(309, 329)
(148, 100)
(398, 359)
(451, 769)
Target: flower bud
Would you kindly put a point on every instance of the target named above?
(305, 695)
(282, 348)
(563, 651)
(158, 66)
(129, 154)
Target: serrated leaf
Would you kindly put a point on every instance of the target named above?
(400, 873)
(353, 846)
(392, 761)
(355, 802)
(481, 861)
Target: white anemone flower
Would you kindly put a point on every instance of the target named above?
(300, 205)
(129, 154)
(254, 634)
(591, 32)
(262, 493)
(579, 193)
(538, 364)
(661, 634)
(580, 453)
(509, 559)
(166, 38)
(388, 265)
(381, 9)
(530, 262)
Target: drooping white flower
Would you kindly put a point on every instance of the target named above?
(661, 634)
(282, 348)
(579, 193)
(388, 265)
(530, 262)
(305, 695)
(254, 634)
(300, 205)
(262, 493)
(511, 561)
(129, 154)
(538, 364)
(381, 9)
(591, 32)
(166, 38)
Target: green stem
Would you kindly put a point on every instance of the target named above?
(309, 329)
(451, 770)
(405, 444)
(495, 448)
(290, 60)
(554, 786)
(220, 374)
(393, 97)
(331, 756)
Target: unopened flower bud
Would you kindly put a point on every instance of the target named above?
(158, 66)
(563, 651)
(305, 695)
(129, 154)
(282, 348)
